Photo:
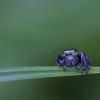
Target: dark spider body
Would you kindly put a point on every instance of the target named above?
(71, 58)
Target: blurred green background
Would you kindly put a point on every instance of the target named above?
(34, 32)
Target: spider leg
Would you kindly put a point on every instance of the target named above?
(78, 67)
(64, 67)
(83, 70)
(88, 68)
(85, 62)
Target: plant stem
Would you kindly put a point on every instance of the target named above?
(21, 73)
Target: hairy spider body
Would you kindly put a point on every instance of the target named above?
(72, 57)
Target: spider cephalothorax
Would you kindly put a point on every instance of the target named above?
(72, 57)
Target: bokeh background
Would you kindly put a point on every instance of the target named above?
(34, 32)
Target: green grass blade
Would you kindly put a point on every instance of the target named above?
(21, 73)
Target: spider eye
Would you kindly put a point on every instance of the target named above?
(66, 54)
